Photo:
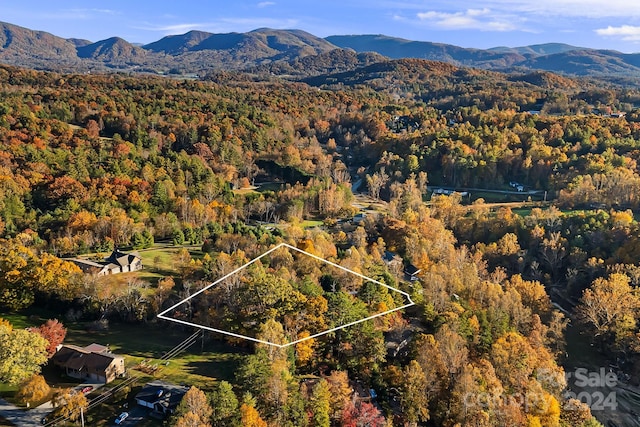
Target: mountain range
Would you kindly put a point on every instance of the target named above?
(291, 52)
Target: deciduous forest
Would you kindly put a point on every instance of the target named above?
(345, 167)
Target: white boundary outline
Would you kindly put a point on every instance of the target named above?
(184, 322)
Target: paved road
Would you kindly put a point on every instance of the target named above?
(34, 416)
(20, 417)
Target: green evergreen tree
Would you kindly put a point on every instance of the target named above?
(147, 238)
(189, 235)
(137, 241)
(178, 237)
(224, 404)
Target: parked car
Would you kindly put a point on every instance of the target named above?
(123, 416)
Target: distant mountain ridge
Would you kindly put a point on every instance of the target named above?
(112, 49)
(538, 49)
(291, 53)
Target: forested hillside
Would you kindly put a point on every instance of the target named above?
(234, 165)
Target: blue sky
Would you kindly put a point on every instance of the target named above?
(606, 24)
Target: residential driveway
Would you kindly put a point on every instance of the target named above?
(20, 417)
(136, 415)
(93, 384)
(32, 417)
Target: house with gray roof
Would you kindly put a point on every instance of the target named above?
(162, 397)
(117, 262)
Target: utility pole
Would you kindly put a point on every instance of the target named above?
(82, 416)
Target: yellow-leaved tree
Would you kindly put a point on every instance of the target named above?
(69, 404)
(21, 353)
(610, 307)
(34, 389)
(249, 416)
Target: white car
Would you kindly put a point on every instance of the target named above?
(123, 416)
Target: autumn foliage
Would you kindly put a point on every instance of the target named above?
(54, 332)
(93, 162)
(33, 390)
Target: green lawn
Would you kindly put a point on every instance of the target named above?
(143, 340)
(198, 365)
(523, 212)
(491, 197)
(30, 317)
(162, 259)
(7, 390)
(272, 186)
(146, 341)
(309, 223)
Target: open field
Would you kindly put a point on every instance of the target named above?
(147, 341)
(516, 207)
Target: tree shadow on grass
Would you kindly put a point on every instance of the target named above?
(216, 369)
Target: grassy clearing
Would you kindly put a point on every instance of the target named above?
(271, 186)
(144, 341)
(491, 197)
(198, 365)
(523, 212)
(310, 223)
(163, 258)
(30, 317)
(195, 367)
(248, 190)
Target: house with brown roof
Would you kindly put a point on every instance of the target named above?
(93, 362)
(117, 262)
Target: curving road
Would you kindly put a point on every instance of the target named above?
(21, 417)
(32, 417)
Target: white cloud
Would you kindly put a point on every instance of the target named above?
(478, 12)
(574, 8)
(175, 28)
(266, 4)
(554, 8)
(105, 11)
(222, 25)
(471, 19)
(627, 33)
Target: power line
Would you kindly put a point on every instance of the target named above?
(132, 379)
